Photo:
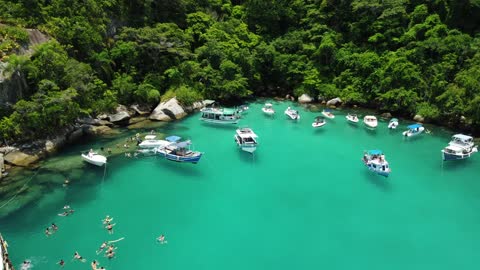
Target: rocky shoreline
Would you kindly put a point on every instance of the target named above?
(135, 116)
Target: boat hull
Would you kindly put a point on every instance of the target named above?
(187, 159)
(408, 133)
(221, 122)
(153, 144)
(96, 160)
(384, 173)
(328, 115)
(317, 125)
(371, 125)
(457, 156)
(393, 125)
(268, 112)
(351, 120)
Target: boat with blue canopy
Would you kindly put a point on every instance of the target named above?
(413, 130)
(375, 161)
(460, 147)
(178, 151)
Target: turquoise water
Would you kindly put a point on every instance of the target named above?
(303, 201)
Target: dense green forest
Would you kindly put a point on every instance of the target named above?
(403, 56)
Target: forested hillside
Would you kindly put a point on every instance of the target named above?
(407, 57)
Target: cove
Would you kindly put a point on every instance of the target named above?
(303, 201)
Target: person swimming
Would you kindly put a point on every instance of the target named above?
(54, 227)
(161, 239)
(110, 255)
(94, 265)
(66, 182)
(66, 207)
(64, 214)
(26, 265)
(109, 228)
(48, 232)
(61, 262)
(102, 247)
(107, 219)
(77, 256)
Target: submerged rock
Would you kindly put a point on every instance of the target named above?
(167, 111)
(305, 99)
(19, 158)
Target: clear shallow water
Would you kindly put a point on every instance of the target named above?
(303, 201)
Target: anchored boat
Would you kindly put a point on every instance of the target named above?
(246, 139)
(375, 161)
(319, 122)
(151, 142)
(352, 118)
(413, 130)
(393, 124)
(268, 109)
(370, 121)
(94, 158)
(220, 116)
(460, 147)
(328, 113)
(178, 151)
(293, 114)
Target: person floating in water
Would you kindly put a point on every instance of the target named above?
(102, 247)
(26, 265)
(110, 254)
(48, 232)
(61, 262)
(94, 265)
(54, 227)
(109, 228)
(161, 239)
(66, 182)
(66, 207)
(107, 219)
(77, 256)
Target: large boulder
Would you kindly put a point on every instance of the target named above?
(51, 146)
(19, 158)
(75, 135)
(119, 117)
(97, 130)
(168, 110)
(305, 99)
(419, 118)
(334, 102)
(140, 110)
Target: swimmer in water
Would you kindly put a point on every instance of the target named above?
(64, 214)
(110, 254)
(111, 248)
(107, 219)
(61, 263)
(94, 265)
(102, 247)
(77, 256)
(71, 211)
(26, 265)
(109, 228)
(161, 239)
(54, 227)
(66, 207)
(66, 182)
(48, 232)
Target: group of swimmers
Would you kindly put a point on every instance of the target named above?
(51, 229)
(66, 211)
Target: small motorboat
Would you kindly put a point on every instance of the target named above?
(319, 122)
(246, 139)
(94, 158)
(352, 118)
(151, 142)
(178, 151)
(413, 130)
(268, 109)
(293, 114)
(242, 108)
(328, 113)
(375, 161)
(393, 124)
(370, 121)
(460, 147)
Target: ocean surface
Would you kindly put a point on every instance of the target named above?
(304, 200)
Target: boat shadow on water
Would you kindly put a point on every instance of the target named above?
(456, 164)
(181, 168)
(381, 182)
(247, 157)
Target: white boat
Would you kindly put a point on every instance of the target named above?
(393, 124)
(268, 109)
(319, 122)
(178, 151)
(370, 121)
(242, 108)
(293, 114)
(220, 116)
(375, 161)
(246, 139)
(328, 113)
(352, 118)
(94, 158)
(413, 130)
(460, 147)
(151, 142)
